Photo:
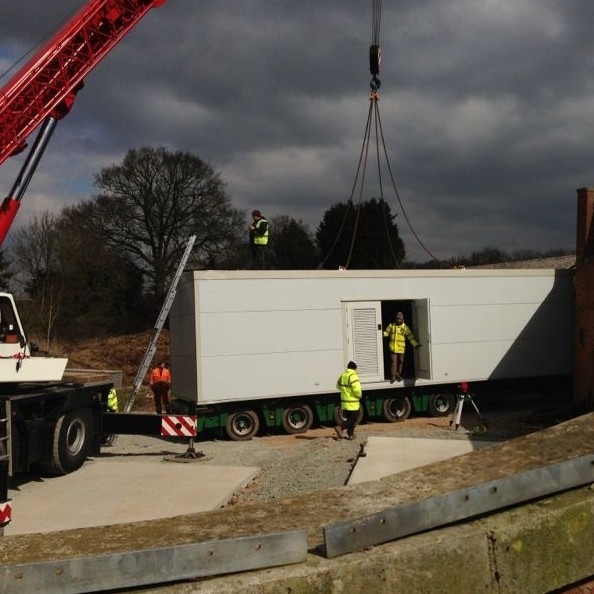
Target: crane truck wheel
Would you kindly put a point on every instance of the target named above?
(71, 441)
(242, 425)
(297, 418)
(396, 409)
(339, 419)
(441, 405)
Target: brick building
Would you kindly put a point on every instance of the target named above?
(584, 300)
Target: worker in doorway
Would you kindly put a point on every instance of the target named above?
(112, 400)
(350, 401)
(160, 382)
(258, 231)
(398, 333)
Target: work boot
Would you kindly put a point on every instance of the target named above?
(339, 432)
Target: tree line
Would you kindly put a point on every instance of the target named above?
(103, 266)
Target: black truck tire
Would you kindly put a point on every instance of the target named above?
(339, 419)
(242, 425)
(441, 405)
(395, 410)
(297, 418)
(71, 441)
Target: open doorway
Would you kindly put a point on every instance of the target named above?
(389, 311)
(365, 322)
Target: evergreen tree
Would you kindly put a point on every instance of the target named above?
(291, 244)
(360, 237)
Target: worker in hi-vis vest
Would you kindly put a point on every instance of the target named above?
(112, 400)
(258, 239)
(398, 333)
(350, 401)
(160, 382)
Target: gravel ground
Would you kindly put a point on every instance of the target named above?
(295, 464)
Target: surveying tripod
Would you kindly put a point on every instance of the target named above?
(465, 396)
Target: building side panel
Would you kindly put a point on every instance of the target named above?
(285, 333)
(473, 323)
(240, 377)
(262, 333)
(496, 360)
(183, 339)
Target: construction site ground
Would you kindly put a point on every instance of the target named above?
(143, 478)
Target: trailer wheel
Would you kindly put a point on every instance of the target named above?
(242, 425)
(297, 418)
(441, 405)
(339, 419)
(395, 410)
(71, 441)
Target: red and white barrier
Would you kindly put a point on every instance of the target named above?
(178, 426)
(5, 513)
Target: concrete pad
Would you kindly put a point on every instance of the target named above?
(391, 455)
(118, 490)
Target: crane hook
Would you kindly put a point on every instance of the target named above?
(375, 59)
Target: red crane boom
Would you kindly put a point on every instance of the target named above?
(46, 87)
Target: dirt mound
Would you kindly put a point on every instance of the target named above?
(120, 353)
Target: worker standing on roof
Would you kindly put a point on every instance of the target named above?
(350, 400)
(160, 382)
(398, 333)
(258, 239)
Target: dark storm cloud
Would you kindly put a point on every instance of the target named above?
(486, 108)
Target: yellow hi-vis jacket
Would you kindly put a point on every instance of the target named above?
(397, 334)
(112, 400)
(261, 232)
(350, 390)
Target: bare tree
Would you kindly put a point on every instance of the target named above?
(5, 271)
(35, 254)
(153, 201)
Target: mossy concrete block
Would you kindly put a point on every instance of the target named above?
(544, 546)
(535, 549)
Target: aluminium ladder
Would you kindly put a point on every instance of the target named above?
(150, 351)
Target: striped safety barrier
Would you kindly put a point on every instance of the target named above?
(5, 513)
(178, 426)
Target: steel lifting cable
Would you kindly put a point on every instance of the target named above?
(361, 166)
(374, 67)
(415, 235)
(374, 116)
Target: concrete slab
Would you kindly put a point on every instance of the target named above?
(116, 490)
(391, 455)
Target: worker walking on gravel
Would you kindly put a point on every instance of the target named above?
(350, 400)
(160, 382)
(398, 333)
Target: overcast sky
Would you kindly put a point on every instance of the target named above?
(487, 108)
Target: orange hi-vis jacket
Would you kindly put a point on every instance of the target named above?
(159, 375)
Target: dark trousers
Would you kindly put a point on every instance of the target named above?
(258, 256)
(161, 395)
(350, 420)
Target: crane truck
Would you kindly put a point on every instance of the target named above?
(45, 420)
